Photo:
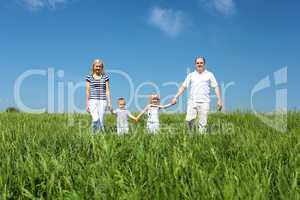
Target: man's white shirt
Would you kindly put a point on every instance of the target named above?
(199, 84)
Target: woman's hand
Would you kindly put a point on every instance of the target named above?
(109, 106)
(111, 110)
(87, 108)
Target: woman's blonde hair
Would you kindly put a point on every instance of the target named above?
(97, 61)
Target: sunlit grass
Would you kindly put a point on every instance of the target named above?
(55, 156)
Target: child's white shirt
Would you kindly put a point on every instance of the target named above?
(153, 114)
(122, 117)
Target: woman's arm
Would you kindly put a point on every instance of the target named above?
(87, 93)
(108, 95)
(112, 111)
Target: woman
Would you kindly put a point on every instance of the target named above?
(97, 94)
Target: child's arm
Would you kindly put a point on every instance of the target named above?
(165, 106)
(132, 117)
(143, 112)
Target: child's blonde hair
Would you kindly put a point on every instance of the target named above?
(154, 96)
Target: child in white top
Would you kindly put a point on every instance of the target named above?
(152, 110)
(122, 116)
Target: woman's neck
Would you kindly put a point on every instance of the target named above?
(97, 74)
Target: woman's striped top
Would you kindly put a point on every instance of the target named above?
(97, 86)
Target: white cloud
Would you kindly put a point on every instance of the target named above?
(169, 21)
(38, 4)
(224, 7)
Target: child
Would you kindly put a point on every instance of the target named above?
(122, 116)
(153, 113)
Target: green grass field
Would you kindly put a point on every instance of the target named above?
(42, 157)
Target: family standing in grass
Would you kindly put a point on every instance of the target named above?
(98, 99)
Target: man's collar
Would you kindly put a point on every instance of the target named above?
(201, 72)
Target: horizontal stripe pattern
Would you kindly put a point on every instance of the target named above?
(97, 86)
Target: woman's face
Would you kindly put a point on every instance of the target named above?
(98, 67)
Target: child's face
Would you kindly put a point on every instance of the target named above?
(155, 100)
(121, 104)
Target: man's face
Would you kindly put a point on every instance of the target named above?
(200, 64)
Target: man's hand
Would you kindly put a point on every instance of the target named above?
(174, 101)
(219, 105)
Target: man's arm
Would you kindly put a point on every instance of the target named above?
(219, 101)
(214, 84)
(165, 106)
(179, 93)
(182, 88)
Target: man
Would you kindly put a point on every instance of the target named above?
(200, 82)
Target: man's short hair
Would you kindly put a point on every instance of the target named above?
(203, 58)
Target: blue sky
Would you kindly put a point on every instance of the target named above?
(151, 41)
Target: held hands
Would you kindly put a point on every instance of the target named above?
(136, 119)
(174, 101)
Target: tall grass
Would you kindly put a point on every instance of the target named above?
(43, 157)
